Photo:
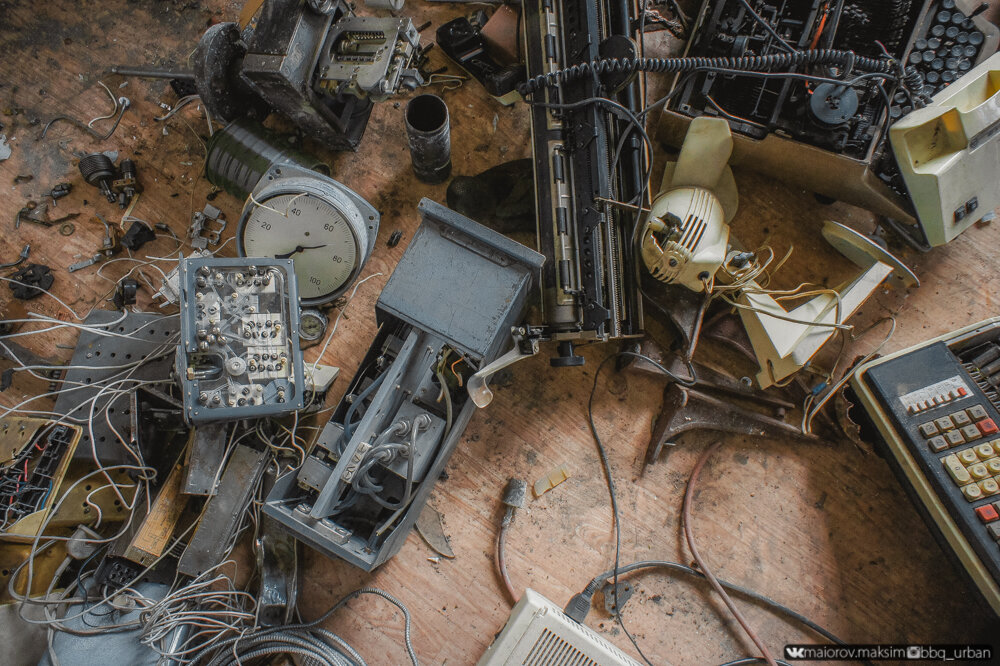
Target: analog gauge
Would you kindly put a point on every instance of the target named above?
(312, 325)
(321, 231)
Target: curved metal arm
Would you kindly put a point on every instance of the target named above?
(478, 390)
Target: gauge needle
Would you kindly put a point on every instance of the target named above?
(298, 248)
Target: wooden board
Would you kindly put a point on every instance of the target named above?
(823, 527)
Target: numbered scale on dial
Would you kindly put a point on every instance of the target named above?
(325, 228)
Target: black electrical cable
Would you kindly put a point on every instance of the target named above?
(581, 602)
(609, 478)
(847, 60)
(767, 26)
(579, 605)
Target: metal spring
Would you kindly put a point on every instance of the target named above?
(752, 63)
(364, 35)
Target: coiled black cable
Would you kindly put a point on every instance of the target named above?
(848, 60)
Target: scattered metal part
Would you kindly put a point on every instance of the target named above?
(391, 5)
(728, 330)
(153, 73)
(678, 304)
(170, 289)
(686, 409)
(206, 453)
(707, 378)
(277, 554)
(32, 212)
(428, 133)
(125, 293)
(110, 245)
(206, 227)
(329, 96)
(394, 238)
(20, 259)
(127, 184)
(23, 178)
(60, 190)
(156, 427)
(224, 512)
(622, 594)
(322, 7)
(98, 170)
(217, 60)
(84, 263)
(430, 526)
(64, 218)
(30, 280)
(5, 150)
(278, 566)
(138, 234)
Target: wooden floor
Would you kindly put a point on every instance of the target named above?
(822, 527)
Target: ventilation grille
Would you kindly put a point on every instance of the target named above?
(694, 229)
(551, 650)
(694, 225)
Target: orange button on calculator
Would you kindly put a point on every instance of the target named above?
(988, 513)
(988, 427)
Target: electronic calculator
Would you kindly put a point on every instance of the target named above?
(936, 408)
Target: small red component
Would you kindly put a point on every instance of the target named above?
(988, 513)
(988, 427)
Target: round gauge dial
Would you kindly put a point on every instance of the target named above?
(321, 236)
(312, 324)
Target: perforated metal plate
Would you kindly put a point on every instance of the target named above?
(152, 338)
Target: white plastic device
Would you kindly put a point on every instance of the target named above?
(949, 153)
(539, 633)
(785, 340)
(686, 234)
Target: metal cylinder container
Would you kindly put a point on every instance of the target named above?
(428, 132)
(241, 153)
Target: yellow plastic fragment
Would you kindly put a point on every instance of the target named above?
(550, 480)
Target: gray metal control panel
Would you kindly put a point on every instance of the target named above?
(239, 350)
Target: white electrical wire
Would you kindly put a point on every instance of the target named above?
(336, 322)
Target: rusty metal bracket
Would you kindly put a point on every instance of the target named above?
(686, 409)
(706, 377)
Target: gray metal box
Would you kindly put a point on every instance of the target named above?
(459, 287)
